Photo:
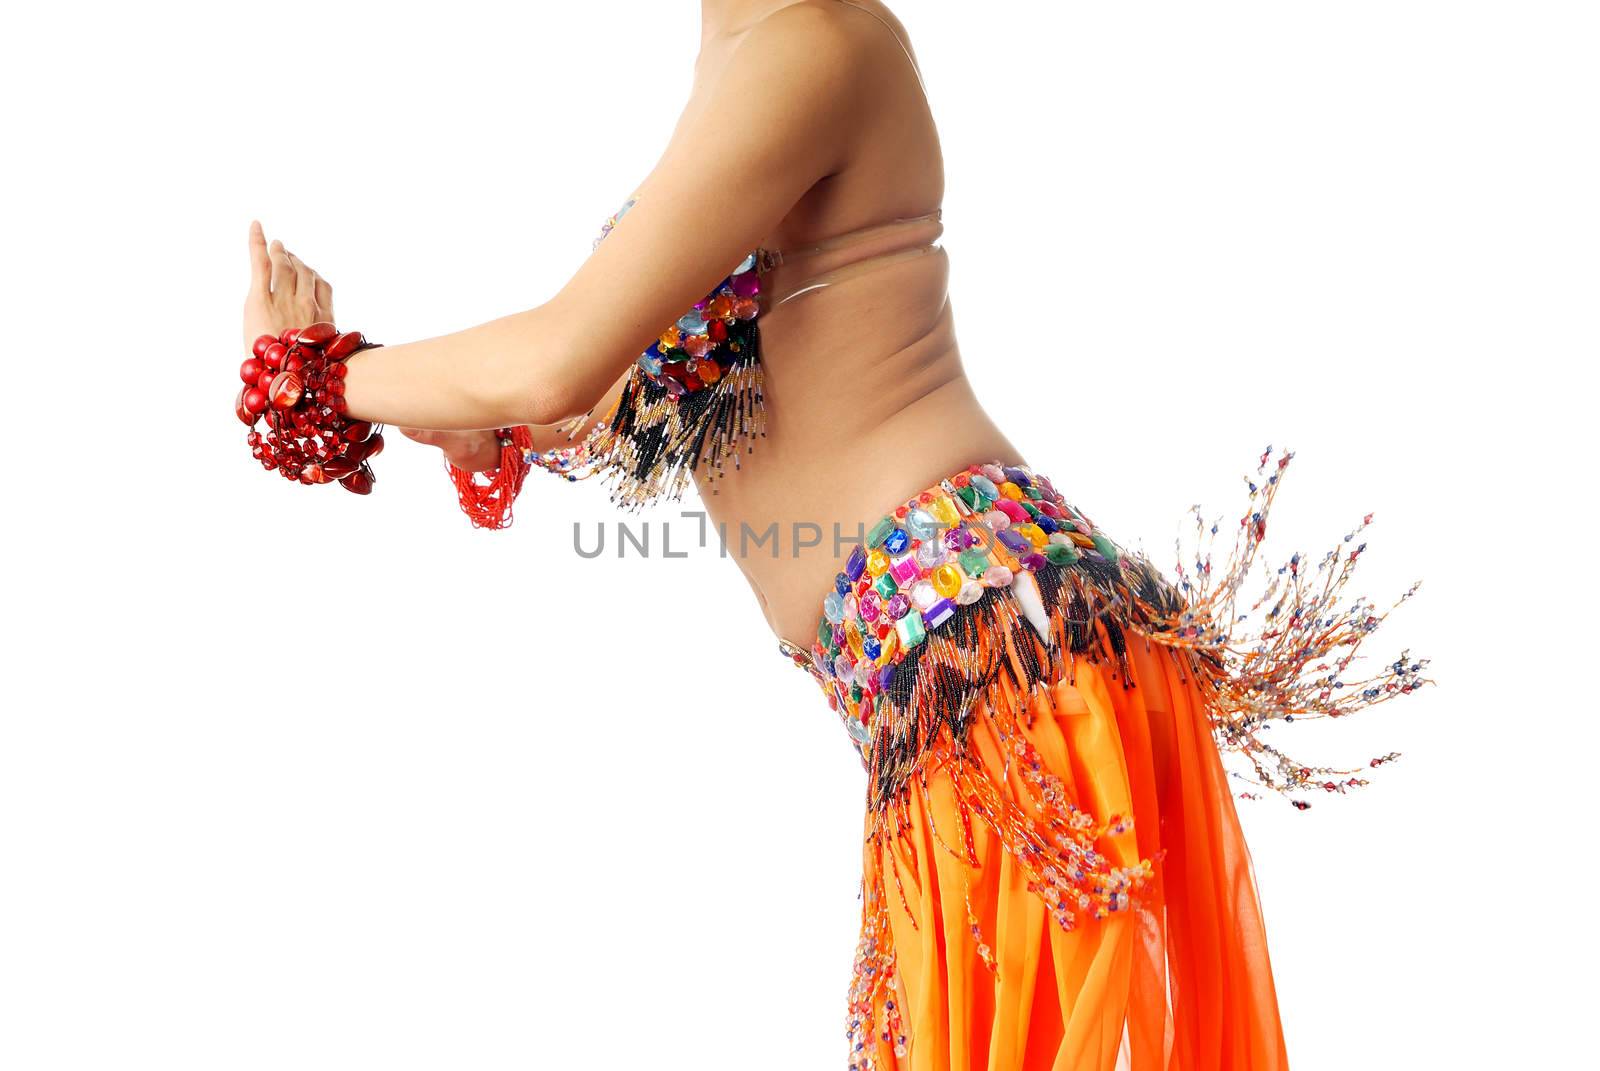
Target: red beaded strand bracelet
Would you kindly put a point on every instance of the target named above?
(486, 497)
(295, 381)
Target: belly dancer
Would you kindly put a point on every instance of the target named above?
(1054, 874)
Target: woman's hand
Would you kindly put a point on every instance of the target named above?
(471, 451)
(284, 291)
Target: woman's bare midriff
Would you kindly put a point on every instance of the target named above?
(867, 404)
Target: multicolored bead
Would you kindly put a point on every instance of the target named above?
(713, 347)
(989, 527)
(910, 629)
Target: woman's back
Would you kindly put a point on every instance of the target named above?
(865, 392)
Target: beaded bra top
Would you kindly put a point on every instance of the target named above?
(693, 401)
(694, 396)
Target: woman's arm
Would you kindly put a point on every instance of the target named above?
(776, 121)
(479, 451)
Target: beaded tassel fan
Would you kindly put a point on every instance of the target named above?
(688, 401)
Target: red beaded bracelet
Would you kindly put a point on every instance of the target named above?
(296, 382)
(488, 504)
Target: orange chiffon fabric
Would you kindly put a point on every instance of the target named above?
(1180, 982)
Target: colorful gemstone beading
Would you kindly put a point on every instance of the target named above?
(691, 399)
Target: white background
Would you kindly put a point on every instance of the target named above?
(298, 779)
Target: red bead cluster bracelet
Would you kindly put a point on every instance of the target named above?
(295, 381)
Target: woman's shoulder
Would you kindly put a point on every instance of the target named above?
(829, 33)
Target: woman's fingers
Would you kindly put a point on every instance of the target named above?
(277, 275)
(473, 451)
(260, 262)
(305, 283)
(282, 270)
(324, 291)
(474, 455)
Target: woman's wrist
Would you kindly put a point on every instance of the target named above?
(318, 394)
(487, 495)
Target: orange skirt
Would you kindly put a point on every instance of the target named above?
(1054, 875)
(1180, 980)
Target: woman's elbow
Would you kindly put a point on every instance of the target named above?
(550, 402)
(514, 398)
(529, 378)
